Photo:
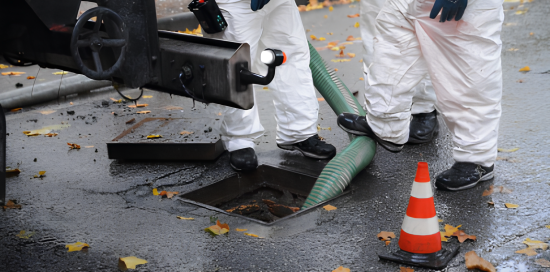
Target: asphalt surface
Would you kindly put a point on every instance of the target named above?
(109, 204)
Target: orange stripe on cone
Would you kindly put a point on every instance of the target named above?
(422, 235)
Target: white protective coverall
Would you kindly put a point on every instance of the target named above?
(463, 61)
(424, 94)
(277, 25)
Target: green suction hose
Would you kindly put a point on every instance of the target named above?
(339, 172)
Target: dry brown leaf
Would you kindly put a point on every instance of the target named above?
(73, 146)
(12, 204)
(385, 235)
(131, 121)
(527, 251)
(462, 236)
(341, 269)
(244, 209)
(488, 192)
(12, 172)
(329, 208)
(50, 134)
(31, 77)
(475, 262)
(353, 15)
(16, 109)
(405, 269)
(543, 262)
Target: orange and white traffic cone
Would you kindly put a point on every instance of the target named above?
(420, 240)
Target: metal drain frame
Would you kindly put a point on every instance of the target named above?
(259, 185)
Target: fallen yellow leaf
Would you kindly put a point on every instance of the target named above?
(507, 150)
(41, 173)
(12, 73)
(353, 15)
(362, 79)
(340, 60)
(547, 226)
(147, 96)
(217, 229)
(511, 206)
(322, 39)
(251, 235)
(13, 172)
(130, 262)
(60, 73)
(329, 208)
(154, 136)
(241, 229)
(527, 251)
(138, 106)
(78, 246)
(2, 66)
(351, 55)
(525, 69)
(341, 269)
(47, 112)
(155, 191)
(25, 235)
(534, 244)
(330, 8)
(185, 218)
(16, 109)
(265, 88)
(443, 237)
(143, 112)
(356, 25)
(450, 230)
(313, 37)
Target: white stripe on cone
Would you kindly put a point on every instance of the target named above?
(420, 226)
(422, 190)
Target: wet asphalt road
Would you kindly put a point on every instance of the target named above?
(108, 204)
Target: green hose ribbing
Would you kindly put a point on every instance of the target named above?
(339, 172)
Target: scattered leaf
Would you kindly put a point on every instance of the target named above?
(244, 209)
(475, 262)
(353, 15)
(329, 208)
(47, 112)
(330, 8)
(196, 32)
(155, 191)
(322, 38)
(462, 236)
(335, 48)
(147, 96)
(340, 60)
(534, 244)
(362, 79)
(130, 262)
(351, 55)
(450, 230)
(60, 73)
(251, 235)
(313, 37)
(78, 246)
(73, 146)
(25, 235)
(336, 69)
(185, 132)
(510, 205)
(131, 121)
(385, 235)
(50, 134)
(89, 146)
(12, 73)
(12, 204)
(341, 269)
(31, 77)
(241, 229)
(138, 106)
(488, 192)
(547, 226)
(443, 237)
(527, 251)
(13, 172)
(531, 33)
(525, 69)
(320, 99)
(356, 25)
(508, 150)
(16, 109)
(185, 218)
(217, 229)
(521, 11)
(543, 262)
(341, 55)
(154, 136)
(491, 203)
(2, 66)
(143, 112)
(405, 269)
(173, 108)
(513, 49)
(280, 210)
(168, 194)
(332, 44)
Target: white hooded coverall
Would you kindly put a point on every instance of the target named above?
(463, 61)
(424, 94)
(277, 25)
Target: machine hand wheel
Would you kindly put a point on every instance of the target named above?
(92, 39)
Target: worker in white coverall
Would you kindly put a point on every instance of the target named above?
(423, 126)
(273, 24)
(460, 50)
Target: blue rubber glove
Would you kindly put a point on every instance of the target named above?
(258, 4)
(451, 9)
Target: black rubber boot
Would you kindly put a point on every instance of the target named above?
(356, 124)
(243, 159)
(312, 147)
(423, 128)
(462, 176)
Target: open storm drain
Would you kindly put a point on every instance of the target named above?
(265, 196)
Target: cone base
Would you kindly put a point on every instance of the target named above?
(437, 260)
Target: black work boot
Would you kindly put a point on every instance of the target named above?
(312, 147)
(463, 175)
(423, 128)
(356, 124)
(243, 159)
